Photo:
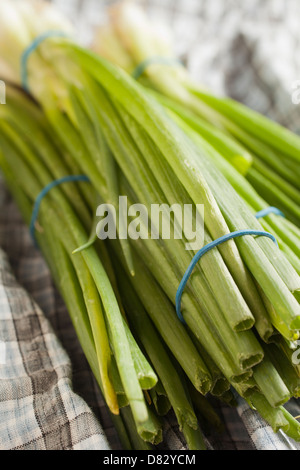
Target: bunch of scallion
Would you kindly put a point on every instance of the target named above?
(241, 306)
(264, 152)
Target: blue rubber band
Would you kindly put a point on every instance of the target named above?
(44, 192)
(267, 211)
(142, 67)
(30, 49)
(203, 251)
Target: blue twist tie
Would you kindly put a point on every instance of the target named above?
(267, 211)
(203, 251)
(30, 49)
(140, 69)
(44, 192)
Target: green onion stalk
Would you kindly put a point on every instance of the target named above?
(75, 281)
(90, 117)
(142, 45)
(263, 151)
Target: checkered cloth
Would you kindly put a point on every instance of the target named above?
(39, 409)
(48, 396)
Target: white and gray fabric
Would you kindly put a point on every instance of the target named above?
(39, 409)
(48, 396)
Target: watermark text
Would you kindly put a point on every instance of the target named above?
(2, 92)
(296, 92)
(164, 222)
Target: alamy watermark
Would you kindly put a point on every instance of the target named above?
(163, 222)
(2, 353)
(296, 354)
(296, 92)
(2, 92)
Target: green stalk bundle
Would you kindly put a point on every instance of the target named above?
(241, 305)
(263, 151)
